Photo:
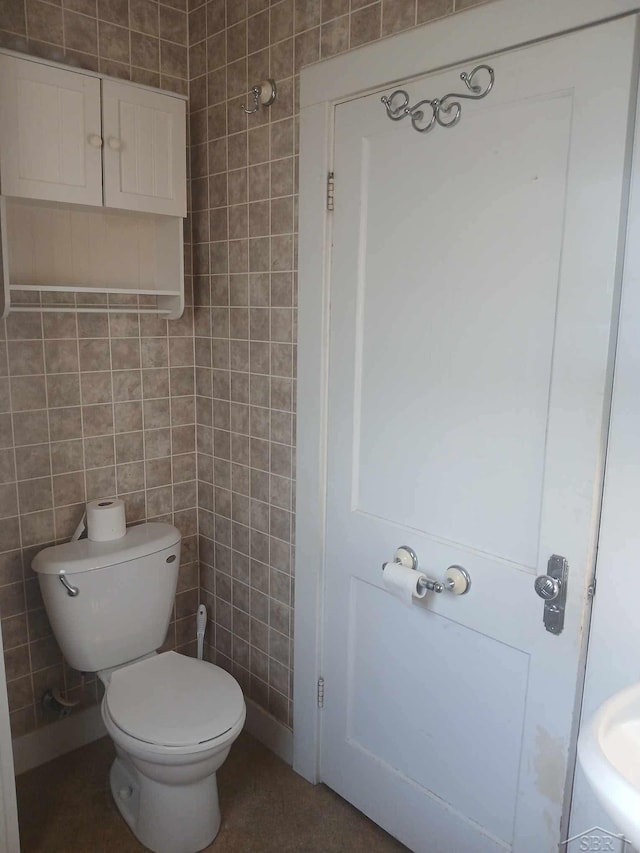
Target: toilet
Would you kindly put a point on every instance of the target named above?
(173, 719)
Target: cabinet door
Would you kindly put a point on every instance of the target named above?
(145, 150)
(50, 135)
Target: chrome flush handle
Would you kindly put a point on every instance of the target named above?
(71, 590)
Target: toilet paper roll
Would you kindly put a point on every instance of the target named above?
(403, 582)
(106, 520)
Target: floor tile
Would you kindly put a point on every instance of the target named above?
(65, 806)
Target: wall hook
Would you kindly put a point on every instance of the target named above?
(444, 111)
(263, 95)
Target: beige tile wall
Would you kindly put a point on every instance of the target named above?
(140, 40)
(81, 429)
(244, 182)
(91, 405)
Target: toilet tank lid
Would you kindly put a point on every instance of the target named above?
(84, 555)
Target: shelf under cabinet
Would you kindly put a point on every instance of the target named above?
(48, 248)
(72, 288)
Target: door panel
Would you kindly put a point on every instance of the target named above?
(448, 688)
(145, 139)
(482, 355)
(472, 288)
(48, 117)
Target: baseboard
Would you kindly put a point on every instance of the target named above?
(56, 739)
(269, 731)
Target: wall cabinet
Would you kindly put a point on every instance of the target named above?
(93, 188)
(61, 128)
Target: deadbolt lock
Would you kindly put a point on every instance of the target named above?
(552, 587)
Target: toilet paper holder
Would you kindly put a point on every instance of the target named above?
(457, 578)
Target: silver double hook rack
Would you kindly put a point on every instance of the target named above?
(444, 111)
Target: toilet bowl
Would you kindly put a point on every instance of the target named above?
(173, 721)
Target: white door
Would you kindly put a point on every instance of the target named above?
(473, 284)
(50, 133)
(144, 151)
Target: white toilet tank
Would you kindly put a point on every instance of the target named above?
(124, 599)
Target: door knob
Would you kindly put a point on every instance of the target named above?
(114, 143)
(95, 140)
(547, 587)
(552, 588)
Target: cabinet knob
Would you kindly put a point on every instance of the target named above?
(114, 143)
(95, 140)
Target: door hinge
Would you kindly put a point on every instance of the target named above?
(321, 692)
(591, 589)
(330, 190)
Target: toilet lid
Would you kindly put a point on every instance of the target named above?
(173, 700)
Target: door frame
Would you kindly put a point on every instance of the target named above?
(9, 835)
(611, 661)
(491, 28)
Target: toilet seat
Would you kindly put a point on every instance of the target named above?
(174, 701)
